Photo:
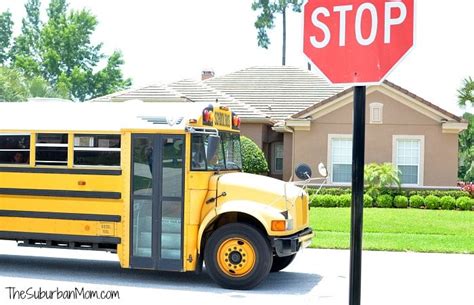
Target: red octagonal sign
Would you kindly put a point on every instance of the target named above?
(357, 41)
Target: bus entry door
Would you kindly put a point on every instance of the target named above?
(157, 202)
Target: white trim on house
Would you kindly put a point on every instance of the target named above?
(332, 106)
(299, 124)
(376, 113)
(329, 157)
(453, 127)
(421, 157)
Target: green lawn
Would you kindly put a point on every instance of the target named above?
(397, 229)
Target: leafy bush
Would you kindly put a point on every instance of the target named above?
(380, 177)
(448, 203)
(368, 201)
(253, 159)
(384, 201)
(328, 201)
(400, 201)
(344, 200)
(432, 202)
(464, 203)
(467, 187)
(417, 201)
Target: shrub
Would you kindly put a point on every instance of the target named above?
(327, 201)
(253, 159)
(467, 187)
(416, 201)
(368, 201)
(384, 201)
(432, 202)
(448, 203)
(344, 200)
(464, 203)
(400, 201)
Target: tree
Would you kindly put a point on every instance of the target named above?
(6, 31)
(466, 150)
(466, 137)
(15, 87)
(253, 159)
(60, 51)
(466, 93)
(265, 21)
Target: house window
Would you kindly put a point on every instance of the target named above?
(277, 162)
(376, 113)
(15, 149)
(408, 158)
(51, 149)
(340, 158)
(97, 150)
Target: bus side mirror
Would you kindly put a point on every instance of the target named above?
(213, 143)
(303, 171)
(322, 170)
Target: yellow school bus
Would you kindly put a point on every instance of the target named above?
(159, 184)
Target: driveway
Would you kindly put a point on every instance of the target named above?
(315, 277)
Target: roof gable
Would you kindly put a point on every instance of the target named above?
(398, 93)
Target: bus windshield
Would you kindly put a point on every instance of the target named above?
(227, 157)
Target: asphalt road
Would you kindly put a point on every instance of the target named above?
(315, 277)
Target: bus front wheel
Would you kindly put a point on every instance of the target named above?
(238, 256)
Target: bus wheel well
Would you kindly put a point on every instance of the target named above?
(231, 217)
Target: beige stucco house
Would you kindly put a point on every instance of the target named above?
(296, 116)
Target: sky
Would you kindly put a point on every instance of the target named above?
(165, 41)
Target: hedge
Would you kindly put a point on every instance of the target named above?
(398, 201)
(417, 201)
(432, 202)
(464, 203)
(448, 203)
(394, 192)
(384, 201)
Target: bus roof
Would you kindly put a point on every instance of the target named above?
(101, 116)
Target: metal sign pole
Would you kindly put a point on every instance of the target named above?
(358, 146)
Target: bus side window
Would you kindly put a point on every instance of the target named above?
(51, 149)
(97, 149)
(15, 149)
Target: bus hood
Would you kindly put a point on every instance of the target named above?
(260, 189)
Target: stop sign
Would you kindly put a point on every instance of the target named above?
(357, 41)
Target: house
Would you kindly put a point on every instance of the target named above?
(296, 116)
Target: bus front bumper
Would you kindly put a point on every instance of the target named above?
(288, 245)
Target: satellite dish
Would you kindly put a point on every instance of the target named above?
(303, 171)
(322, 169)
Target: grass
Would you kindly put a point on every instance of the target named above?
(397, 229)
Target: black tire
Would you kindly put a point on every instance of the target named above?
(249, 254)
(280, 263)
